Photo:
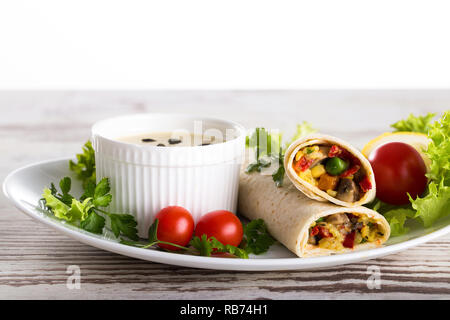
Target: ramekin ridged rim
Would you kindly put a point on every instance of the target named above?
(183, 156)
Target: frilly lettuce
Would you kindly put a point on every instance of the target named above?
(77, 211)
(439, 150)
(303, 129)
(414, 124)
(436, 202)
(434, 205)
(397, 219)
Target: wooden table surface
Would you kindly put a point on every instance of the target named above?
(34, 259)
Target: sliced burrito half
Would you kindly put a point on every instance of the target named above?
(326, 168)
(308, 227)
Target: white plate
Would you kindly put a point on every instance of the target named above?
(24, 188)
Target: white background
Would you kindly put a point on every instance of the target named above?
(233, 44)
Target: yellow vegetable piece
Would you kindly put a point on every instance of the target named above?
(365, 231)
(358, 237)
(332, 193)
(330, 243)
(372, 236)
(307, 176)
(298, 155)
(317, 171)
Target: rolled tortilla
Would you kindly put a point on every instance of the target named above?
(289, 214)
(313, 191)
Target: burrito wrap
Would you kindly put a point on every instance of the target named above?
(289, 214)
(314, 192)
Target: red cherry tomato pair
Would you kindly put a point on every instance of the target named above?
(176, 225)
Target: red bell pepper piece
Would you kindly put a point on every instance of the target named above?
(349, 241)
(354, 169)
(334, 151)
(303, 164)
(314, 231)
(324, 232)
(365, 184)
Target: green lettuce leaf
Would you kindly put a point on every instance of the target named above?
(434, 205)
(397, 219)
(303, 129)
(436, 202)
(77, 211)
(396, 216)
(80, 210)
(59, 208)
(439, 150)
(415, 124)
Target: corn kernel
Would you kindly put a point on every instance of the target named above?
(365, 231)
(298, 155)
(307, 176)
(312, 149)
(358, 237)
(332, 193)
(372, 236)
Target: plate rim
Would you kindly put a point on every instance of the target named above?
(214, 263)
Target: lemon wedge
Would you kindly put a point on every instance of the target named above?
(418, 141)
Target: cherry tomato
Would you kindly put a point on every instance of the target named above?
(222, 225)
(175, 225)
(399, 169)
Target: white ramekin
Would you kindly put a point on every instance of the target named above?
(144, 179)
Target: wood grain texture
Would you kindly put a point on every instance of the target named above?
(37, 126)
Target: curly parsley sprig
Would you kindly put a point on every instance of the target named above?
(84, 168)
(267, 149)
(152, 239)
(87, 212)
(256, 240)
(197, 246)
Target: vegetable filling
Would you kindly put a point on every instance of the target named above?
(343, 230)
(333, 170)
